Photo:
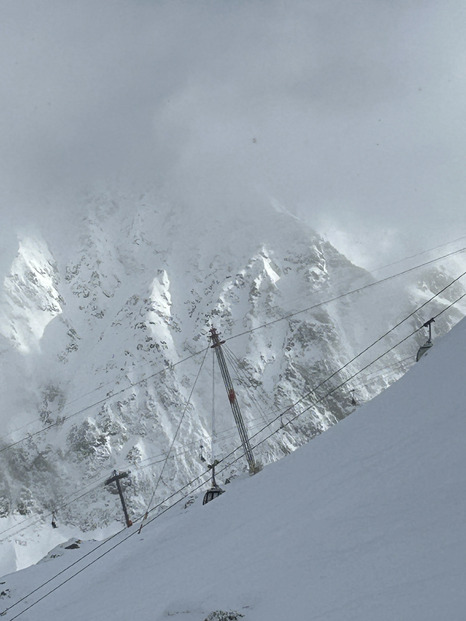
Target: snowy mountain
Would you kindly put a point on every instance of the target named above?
(363, 523)
(94, 334)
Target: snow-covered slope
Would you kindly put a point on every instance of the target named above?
(363, 523)
(84, 323)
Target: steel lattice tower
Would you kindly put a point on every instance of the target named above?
(217, 346)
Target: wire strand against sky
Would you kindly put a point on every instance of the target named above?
(343, 295)
(101, 401)
(307, 396)
(264, 325)
(418, 254)
(174, 438)
(366, 349)
(133, 532)
(308, 407)
(314, 391)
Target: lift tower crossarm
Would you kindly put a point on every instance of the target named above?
(217, 346)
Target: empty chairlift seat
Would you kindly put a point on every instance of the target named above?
(428, 344)
(212, 493)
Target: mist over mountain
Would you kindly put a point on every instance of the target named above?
(93, 327)
(353, 119)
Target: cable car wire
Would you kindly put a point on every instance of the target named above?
(264, 325)
(280, 416)
(132, 533)
(174, 439)
(343, 295)
(92, 405)
(307, 408)
(418, 254)
(307, 395)
(237, 367)
(319, 400)
(333, 374)
(297, 415)
(95, 485)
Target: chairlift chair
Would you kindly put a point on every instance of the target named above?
(423, 350)
(428, 344)
(214, 491)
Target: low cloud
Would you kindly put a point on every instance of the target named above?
(350, 115)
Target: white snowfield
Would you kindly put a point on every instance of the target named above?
(365, 523)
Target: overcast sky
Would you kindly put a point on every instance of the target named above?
(350, 114)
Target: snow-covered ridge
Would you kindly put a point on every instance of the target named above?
(30, 299)
(135, 294)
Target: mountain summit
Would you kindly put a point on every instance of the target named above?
(103, 339)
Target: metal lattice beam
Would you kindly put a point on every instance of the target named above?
(217, 346)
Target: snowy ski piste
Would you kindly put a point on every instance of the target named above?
(364, 523)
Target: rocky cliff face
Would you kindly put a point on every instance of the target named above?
(92, 336)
